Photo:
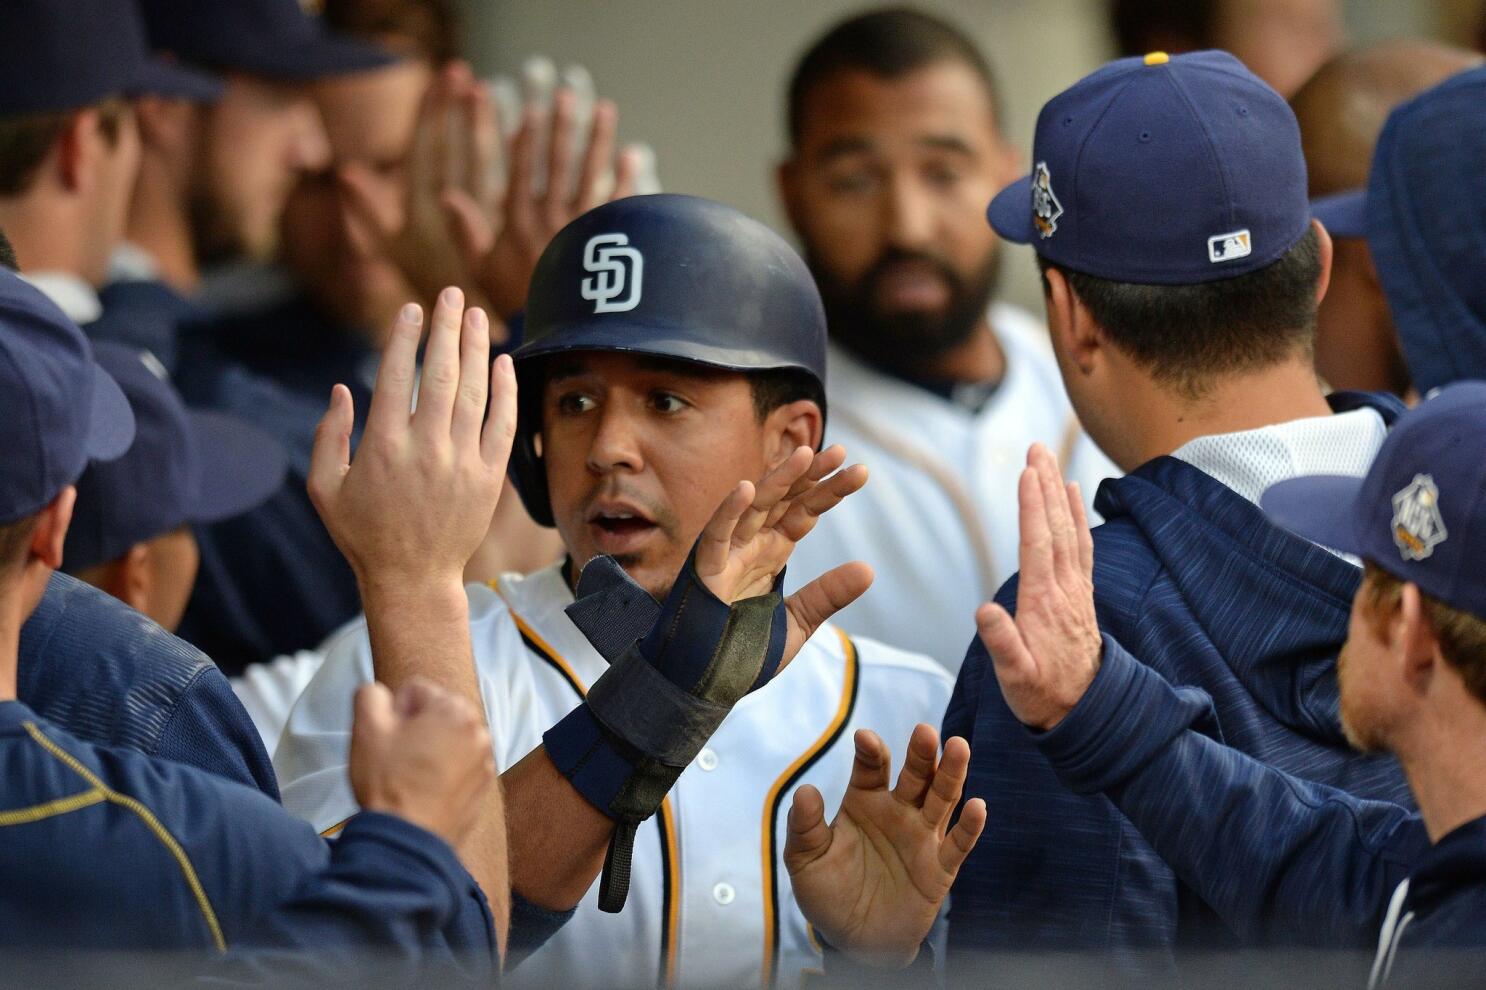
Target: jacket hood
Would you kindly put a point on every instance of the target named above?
(1236, 570)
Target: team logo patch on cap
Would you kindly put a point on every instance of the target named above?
(1229, 247)
(617, 272)
(1045, 206)
(1418, 526)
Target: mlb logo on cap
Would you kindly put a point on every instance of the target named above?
(1162, 170)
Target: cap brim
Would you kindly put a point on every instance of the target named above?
(1320, 508)
(110, 420)
(315, 57)
(1010, 213)
(1343, 214)
(157, 77)
(240, 466)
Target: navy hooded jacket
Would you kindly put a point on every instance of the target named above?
(1275, 856)
(1196, 581)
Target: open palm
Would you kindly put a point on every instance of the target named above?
(873, 881)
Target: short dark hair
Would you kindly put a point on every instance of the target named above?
(889, 43)
(7, 254)
(26, 139)
(431, 27)
(15, 541)
(1142, 25)
(1188, 334)
(781, 386)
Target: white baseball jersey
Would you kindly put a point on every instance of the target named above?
(710, 900)
(938, 517)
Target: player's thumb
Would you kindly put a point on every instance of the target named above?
(330, 457)
(1001, 638)
(809, 836)
(473, 233)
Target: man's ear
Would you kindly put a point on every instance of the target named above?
(165, 125)
(1073, 329)
(791, 426)
(77, 151)
(50, 534)
(1415, 644)
(1323, 238)
(132, 578)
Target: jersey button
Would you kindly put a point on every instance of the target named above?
(707, 759)
(724, 894)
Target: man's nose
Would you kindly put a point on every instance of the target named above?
(616, 443)
(908, 215)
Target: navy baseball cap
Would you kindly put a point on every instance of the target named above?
(185, 466)
(1161, 170)
(276, 39)
(61, 408)
(1424, 216)
(1420, 513)
(63, 54)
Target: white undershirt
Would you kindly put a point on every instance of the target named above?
(73, 295)
(1249, 461)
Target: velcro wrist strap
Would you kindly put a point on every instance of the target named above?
(639, 705)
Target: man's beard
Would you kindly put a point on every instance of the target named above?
(908, 340)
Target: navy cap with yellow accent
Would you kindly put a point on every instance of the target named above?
(1162, 170)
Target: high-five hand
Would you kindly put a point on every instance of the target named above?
(751, 536)
(417, 500)
(872, 881)
(1046, 658)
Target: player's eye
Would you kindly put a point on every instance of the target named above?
(941, 175)
(667, 402)
(575, 403)
(851, 183)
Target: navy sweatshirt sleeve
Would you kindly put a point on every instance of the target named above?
(1268, 852)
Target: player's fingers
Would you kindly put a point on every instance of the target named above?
(1063, 543)
(474, 379)
(809, 837)
(948, 784)
(824, 463)
(1034, 549)
(773, 488)
(873, 764)
(470, 225)
(822, 598)
(919, 763)
(596, 159)
(560, 153)
(521, 179)
(805, 511)
(353, 181)
(628, 170)
(415, 696)
(374, 711)
(330, 457)
(483, 140)
(1081, 529)
(440, 381)
(1002, 639)
(957, 845)
(500, 417)
(715, 544)
(427, 130)
(392, 398)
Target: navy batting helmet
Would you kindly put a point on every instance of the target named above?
(673, 276)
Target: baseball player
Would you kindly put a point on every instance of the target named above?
(672, 347)
(111, 850)
(896, 147)
(1185, 345)
(1341, 111)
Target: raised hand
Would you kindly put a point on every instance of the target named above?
(502, 241)
(752, 534)
(872, 882)
(417, 500)
(1046, 658)
(422, 754)
(454, 148)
